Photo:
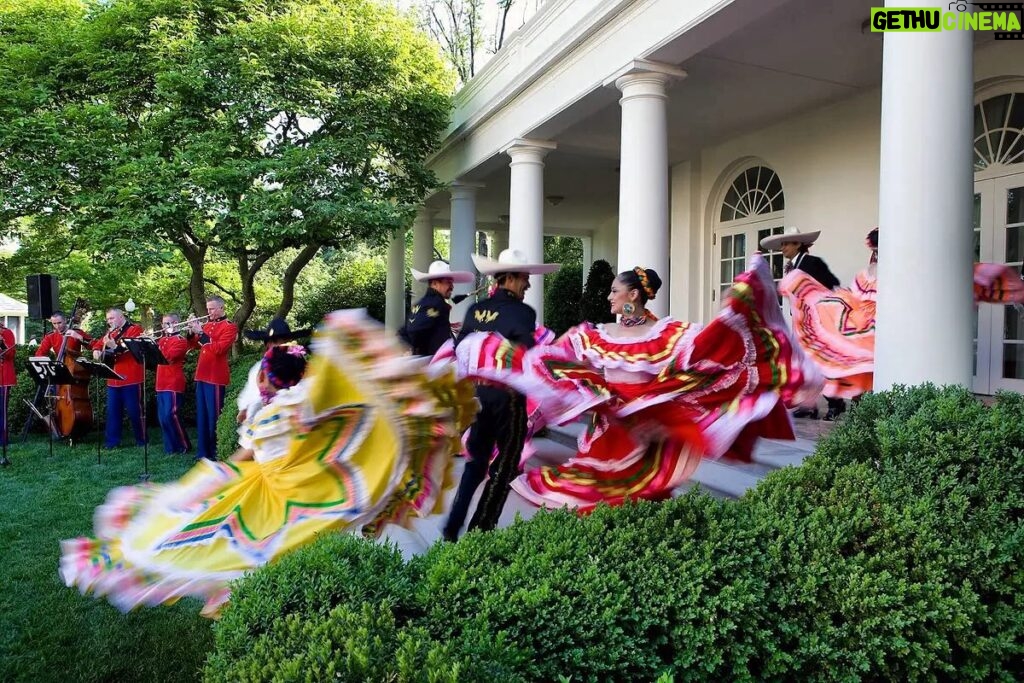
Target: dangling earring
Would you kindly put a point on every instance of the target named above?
(628, 309)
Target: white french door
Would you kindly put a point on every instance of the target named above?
(734, 245)
(999, 238)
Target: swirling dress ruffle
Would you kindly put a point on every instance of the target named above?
(365, 439)
(681, 392)
(836, 328)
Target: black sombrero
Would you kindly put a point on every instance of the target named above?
(277, 331)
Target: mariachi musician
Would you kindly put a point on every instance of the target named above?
(214, 340)
(170, 385)
(8, 375)
(52, 342)
(123, 395)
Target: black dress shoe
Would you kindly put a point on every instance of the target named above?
(810, 413)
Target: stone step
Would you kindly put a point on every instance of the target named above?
(567, 434)
(728, 478)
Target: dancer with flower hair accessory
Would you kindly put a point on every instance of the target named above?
(361, 439)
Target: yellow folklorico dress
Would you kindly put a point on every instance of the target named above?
(364, 440)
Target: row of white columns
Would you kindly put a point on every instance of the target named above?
(643, 198)
(924, 202)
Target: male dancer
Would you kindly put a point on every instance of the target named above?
(501, 421)
(430, 325)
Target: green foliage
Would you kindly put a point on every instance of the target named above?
(338, 569)
(346, 645)
(595, 307)
(148, 127)
(562, 298)
(359, 282)
(894, 553)
(565, 250)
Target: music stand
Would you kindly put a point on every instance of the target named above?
(98, 370)
(145, 351)
(46, 371)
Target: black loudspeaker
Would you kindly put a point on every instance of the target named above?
(43, 295)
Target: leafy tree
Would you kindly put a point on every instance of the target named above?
(235, 127)
(457, 28)
(359, 281)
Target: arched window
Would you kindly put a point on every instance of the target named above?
(999, 131)
(754, 192)
(751, 210)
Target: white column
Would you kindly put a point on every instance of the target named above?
(924, 206)
(526, 209)
(500, 241)
(21, 330)
(422, 247)
(463, 243)
(643, 171)
(394, 297)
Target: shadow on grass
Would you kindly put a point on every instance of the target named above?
(49, 632)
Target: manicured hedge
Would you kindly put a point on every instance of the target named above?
(894, 553)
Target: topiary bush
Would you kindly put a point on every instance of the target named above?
(562, 299)
(594, 307)
(893, 553)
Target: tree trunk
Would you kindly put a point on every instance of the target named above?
(247, 274)
(195, 254)
(291, 274)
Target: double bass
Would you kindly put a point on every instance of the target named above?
(72, 410)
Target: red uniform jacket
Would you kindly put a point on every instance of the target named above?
(171, 377)
(124, 363)
(8, 373)
(52, 342)
(214, 345)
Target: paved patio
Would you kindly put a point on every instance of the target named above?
(723, 478)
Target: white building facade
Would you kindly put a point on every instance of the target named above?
(675, 135)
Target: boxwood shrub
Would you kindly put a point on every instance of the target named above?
(893, 553)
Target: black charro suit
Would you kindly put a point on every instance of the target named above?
(429, 326)
(501, 421)
(816, 268)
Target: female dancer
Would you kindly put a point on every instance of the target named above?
(663, 393)
(363, 440)
(836, 328)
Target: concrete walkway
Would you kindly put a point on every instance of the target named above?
(722, 478)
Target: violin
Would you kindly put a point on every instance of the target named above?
(72, 415)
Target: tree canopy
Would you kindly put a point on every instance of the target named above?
(237, 127)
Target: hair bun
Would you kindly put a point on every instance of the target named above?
(653, 279)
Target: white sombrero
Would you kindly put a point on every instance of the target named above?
(512, 261)
(439, 270)
(791, 235)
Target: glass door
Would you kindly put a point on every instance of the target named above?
(734, 247)
(999, 330)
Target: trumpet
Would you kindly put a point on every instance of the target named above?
(176, 328)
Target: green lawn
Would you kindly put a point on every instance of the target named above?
(49, 632)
